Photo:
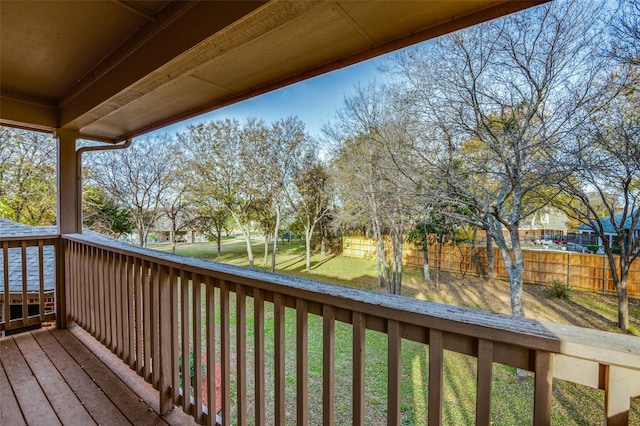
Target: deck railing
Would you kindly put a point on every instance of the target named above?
(29, 273)
(152, 309)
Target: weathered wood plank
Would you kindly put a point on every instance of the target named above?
(9, 409)
(328, 365)
(302, 361)
(484, 382)
(134, 410)
(136, 383)
(241, 354)
(101, 409)
(32, 400)
(394, 384)
(259, 348)
(436, 363)
(65, 403)
(358, 367)
(279, 356)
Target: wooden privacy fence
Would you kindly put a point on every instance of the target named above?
(576, 270)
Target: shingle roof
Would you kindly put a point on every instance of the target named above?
(608, 226)
(9, 228)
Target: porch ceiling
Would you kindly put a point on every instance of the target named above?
(117, 69)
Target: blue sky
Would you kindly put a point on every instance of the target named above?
(314, 101)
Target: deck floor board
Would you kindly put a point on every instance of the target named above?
(65, 403)
(49, 376)
(10, 413)
(34, 405)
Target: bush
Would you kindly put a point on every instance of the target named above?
(593, 248)
(558, 291)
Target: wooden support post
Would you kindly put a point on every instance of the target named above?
(69, 200)
(617, 401)
(543, 386)
(436, 364)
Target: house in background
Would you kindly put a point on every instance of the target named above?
(610, 234)
(546, 224)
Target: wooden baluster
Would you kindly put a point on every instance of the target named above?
(225, 352)
(358, 320)
(102, 306)
(436, 362)
(302, 361)
(113, 338)
(139, 322)
(259, 344)
(93, 276)
(164, 364)
(41, 278)
(155, 325)
(124, 308)
(328, 365)
(25, 295)
(617, 400)
(196, 307)
(394, 384)
(212, 402)
(279, 356)
(146, 312)
(484, 380)
(86, 282)
(5, 279)
(118, 305)
(241, 354)
(175, 338)
(130, 314)
(543, 387)
(186, 342)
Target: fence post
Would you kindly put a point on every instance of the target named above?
(604, 274)
(539, 267)
(568, 269)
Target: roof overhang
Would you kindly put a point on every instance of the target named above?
(113, 70)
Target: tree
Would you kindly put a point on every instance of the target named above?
(285, 142)
(103, 214)
(137, 177)
(211, 218)
(27, 177)
(312, 195)
(367, 130)
(502, 98)
(176, 205)
(221, 154)
(606, 176)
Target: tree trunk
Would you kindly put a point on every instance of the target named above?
(266, 250)
(274, 250)
(247, 238)
(491, 259)
(425, 264)
(219, 243)
(308, 232)
(141, 237)
(439, 265)
(623, 301)
(516, 274)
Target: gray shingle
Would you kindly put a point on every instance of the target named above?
(13, 229)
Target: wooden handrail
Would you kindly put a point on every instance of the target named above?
(140, 303)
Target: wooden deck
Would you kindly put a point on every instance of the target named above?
(53, 377)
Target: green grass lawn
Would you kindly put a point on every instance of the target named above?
(512, 398)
